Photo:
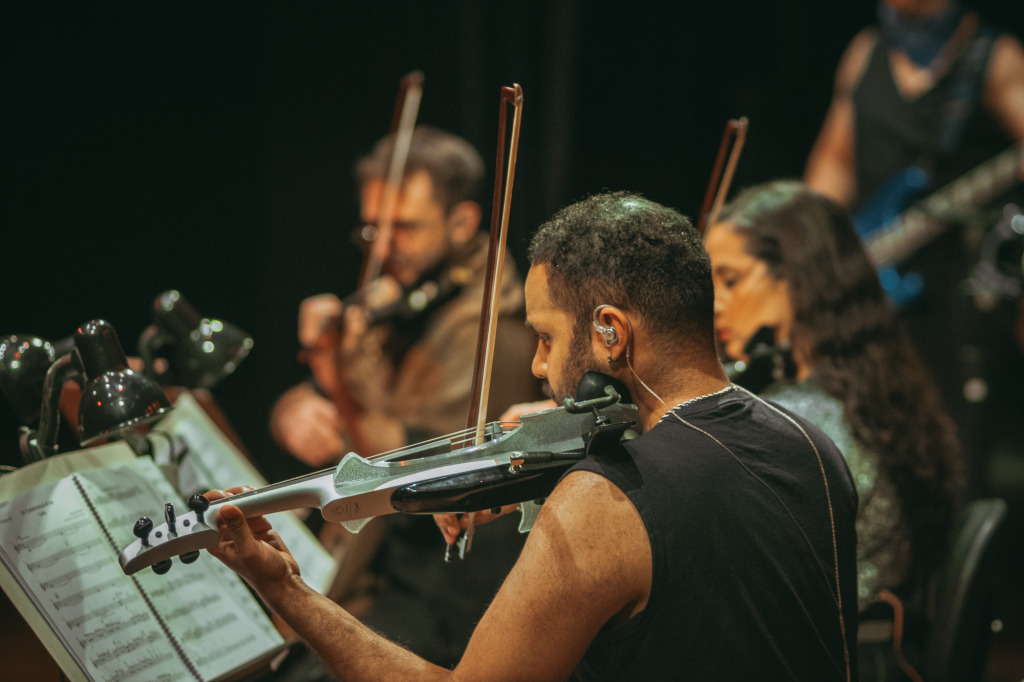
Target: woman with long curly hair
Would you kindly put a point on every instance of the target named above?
(787, 258)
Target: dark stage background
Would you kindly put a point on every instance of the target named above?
(210, 149)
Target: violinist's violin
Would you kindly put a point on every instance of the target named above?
(767, 361)
(518, 465)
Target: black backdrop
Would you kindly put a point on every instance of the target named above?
(209, 148)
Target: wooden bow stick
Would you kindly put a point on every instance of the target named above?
(713, 199)
(500, 209)
(403, 122)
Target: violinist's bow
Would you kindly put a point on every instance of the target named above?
(500, 209)
(403, 122)
(716, 193)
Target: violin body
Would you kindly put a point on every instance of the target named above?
(359, 489)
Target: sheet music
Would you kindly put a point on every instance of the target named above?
(66, 564)
(214, 462)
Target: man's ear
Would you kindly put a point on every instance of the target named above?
(610, 333)
(463, 221)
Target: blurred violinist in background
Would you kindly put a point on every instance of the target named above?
(407, 342)
(787, 260)
(402, 353)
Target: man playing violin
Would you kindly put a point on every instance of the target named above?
(409, 379)
(719, 544)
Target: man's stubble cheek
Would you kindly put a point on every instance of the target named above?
(579, 361)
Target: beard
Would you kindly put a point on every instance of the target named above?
(580, 361)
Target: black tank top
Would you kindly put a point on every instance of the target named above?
(736, 590)
(893, 133)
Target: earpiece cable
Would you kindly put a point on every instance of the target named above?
(838, 597)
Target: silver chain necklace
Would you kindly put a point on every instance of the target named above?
(727, 389)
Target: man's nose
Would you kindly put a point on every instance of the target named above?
(540, 365)
(382, 248)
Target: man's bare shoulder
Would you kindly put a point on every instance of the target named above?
(855, 60)
(589, 525)
(1004, 85)
(587, 563)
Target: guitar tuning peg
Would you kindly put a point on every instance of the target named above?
(161, 567)
(190, 557)
(143, 527)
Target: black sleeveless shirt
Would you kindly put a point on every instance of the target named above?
(744, 575)
(893, 133)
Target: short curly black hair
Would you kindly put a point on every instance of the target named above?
(624, 250)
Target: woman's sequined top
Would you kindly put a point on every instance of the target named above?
(882, 535)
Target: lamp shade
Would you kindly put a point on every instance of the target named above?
(205, 350)
(24, 360)
(114, 397)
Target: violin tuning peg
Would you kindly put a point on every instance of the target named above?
(190, 557)
(161, 567)
(143, 527)
(199, 505)
(170, 518)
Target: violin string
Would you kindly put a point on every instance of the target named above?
(455, 437)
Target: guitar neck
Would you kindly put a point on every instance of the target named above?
(924, 221)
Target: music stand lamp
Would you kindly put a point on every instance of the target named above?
(114, 397)
(201, 351)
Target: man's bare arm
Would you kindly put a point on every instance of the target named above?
(587, 562)
(1004, 86)
(831, 164)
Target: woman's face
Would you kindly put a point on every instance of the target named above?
(746, 296)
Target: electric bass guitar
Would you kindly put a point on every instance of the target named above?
(893, 226)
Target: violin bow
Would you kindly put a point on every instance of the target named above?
(403, 122)
(500, 209)
(716, 193)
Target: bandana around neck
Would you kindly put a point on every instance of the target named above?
(920, 38)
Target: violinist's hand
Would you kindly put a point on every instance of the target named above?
(308, 426)
(250, 547)
(313, 313)
(451, 524)
(513, 413)
(355, 326)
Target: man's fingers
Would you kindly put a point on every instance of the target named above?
(259, 524)
(449, 526)
(513, 413)
(238, 529)
(212, 495)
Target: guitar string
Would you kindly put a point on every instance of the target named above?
(175, 644)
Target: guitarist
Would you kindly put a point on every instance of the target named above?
(894, 104)
(933, 87)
